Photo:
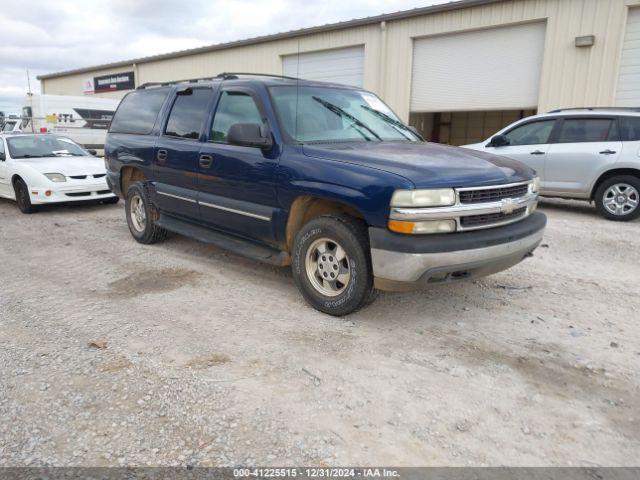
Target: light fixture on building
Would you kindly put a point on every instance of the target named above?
(585, 41)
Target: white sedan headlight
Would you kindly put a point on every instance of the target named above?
(535, 185)
(56, 177)
(441, 197)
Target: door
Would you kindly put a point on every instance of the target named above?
(582, 148)
(177, 153)
(5, 175)
(342, 65)
(528, 143)
(237, 183)
(628, 89)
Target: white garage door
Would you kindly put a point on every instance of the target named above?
(628, 92)
(340, 66)
(496, 69)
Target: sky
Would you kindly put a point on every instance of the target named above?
(45, 36)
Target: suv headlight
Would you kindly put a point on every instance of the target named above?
(535, 185)
(56, 177)
(441, 197)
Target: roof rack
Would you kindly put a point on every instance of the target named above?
(220, 76)
(623, 109)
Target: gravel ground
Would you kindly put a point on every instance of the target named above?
(215, 360)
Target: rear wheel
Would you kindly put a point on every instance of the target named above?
(618, 198)
(142, 215)
(22, 197)
(332, 266)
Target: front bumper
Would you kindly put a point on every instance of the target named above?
(77, 192)
(407, 262)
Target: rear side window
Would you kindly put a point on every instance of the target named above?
(630, 129)
(187, 113)
(233, 107)
(535, 133)
(580, 130)
(138, 111)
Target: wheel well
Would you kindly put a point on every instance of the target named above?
(614, 173)
(306, 208)
(14, 179)
(128, 175)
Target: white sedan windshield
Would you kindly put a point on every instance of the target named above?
(34, 146)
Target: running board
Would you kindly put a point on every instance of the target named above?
(234, 244)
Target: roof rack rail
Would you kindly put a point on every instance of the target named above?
(623, 109)
(220, 76)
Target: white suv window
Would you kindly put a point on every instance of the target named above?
(581, 130)
(630, 129)
(534, 133)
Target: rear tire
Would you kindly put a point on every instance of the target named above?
(23, 200)
(618, 198)
(332, 264)
(142, 215)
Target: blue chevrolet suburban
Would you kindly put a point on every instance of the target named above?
(322, 177)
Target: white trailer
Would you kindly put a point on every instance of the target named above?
(82, 119)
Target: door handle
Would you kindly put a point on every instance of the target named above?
(607, 152)
(161, 155)
(537, 152)
(206, 161)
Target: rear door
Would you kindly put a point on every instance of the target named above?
(529, 143)
(582, 147)
(177, 152)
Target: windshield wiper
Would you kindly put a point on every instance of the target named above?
(390, 120)
(342, 113)
(35, 156)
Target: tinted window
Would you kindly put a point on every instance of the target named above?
(578, 130)
(187, 113)
(535, 133)
(138, 111)
(2, 156)
(630, 129)
(233, 107)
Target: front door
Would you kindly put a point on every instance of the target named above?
(528, 143)
(177, 153)
(5, 175)
(237, 184)
(581, 149)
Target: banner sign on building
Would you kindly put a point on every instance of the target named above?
(87, 86)
(112, 83)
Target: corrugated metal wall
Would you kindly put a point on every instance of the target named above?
(570, 76)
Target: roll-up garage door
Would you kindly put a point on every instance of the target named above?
(494, 69)
(628, 91)
(344, 65)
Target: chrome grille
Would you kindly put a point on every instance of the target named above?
(491, 218)
(484, 195)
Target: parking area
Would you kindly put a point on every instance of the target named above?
(212, 359)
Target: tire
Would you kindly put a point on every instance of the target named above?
(22, 197)
(618, 198)
(111, 201)
(142, 221)
(348, 285)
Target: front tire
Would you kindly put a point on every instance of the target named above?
(23, 200)
(332, 265)
(111, 201)
(618, 198)
(142, 215)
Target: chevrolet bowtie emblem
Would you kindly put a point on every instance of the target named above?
(508, 206)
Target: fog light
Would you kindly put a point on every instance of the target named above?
(48, 193)
(430, 226)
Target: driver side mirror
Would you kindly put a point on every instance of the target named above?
(92, 152)
(250, 135)
(498, 141)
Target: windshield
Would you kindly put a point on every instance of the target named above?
(33, 146)
(325, 114)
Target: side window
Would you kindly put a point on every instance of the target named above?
(630, 129)
(580, 130)
(138, 111)
(233, 107)
(2, 154)
(187, 113)
(535, 133)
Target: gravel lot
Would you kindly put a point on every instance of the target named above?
(212, 359)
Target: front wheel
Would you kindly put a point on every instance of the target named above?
(618, 198)
(332, 266)
(22, 197)
(142, 215)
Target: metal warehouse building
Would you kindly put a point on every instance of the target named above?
(457, 71)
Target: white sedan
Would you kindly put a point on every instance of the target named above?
(42, 168)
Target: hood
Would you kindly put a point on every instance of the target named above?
(427, 164)
(67, 166)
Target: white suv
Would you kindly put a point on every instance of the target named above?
(589, 154)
